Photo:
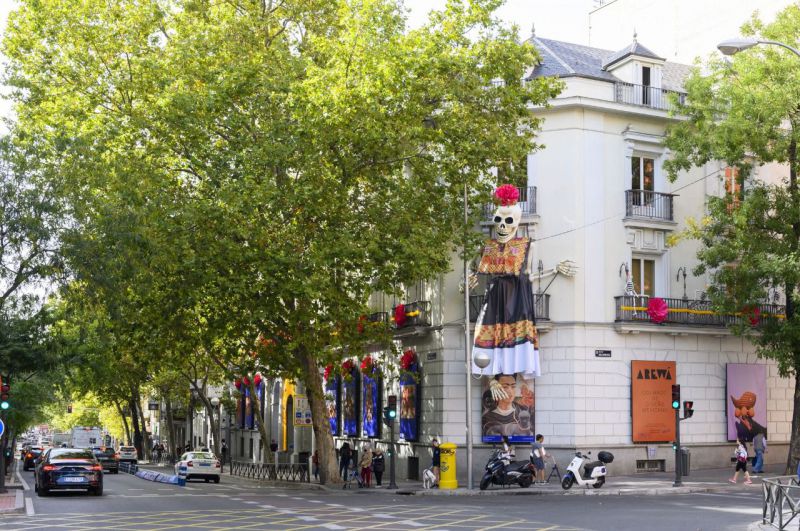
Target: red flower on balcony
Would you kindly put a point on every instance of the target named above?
(753, 314)
(347, 370)
(360, 326)
(257, 379)
(400, 315)
(369, 367)
(237, 383)
(408, 358)
(506, 195)
(328, 370)
(657, 309)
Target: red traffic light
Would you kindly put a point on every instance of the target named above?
(688, 410)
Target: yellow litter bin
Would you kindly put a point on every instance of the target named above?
(447, 470)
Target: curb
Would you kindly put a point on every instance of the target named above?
(657, 491)
(19, 502)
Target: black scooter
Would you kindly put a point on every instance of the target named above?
(498, 473)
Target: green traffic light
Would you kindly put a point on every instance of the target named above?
(4, 405)
(675, 404)
(392, 413)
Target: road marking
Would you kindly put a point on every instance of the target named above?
(332, 526)
(267, 506)
(29, 507)
(282, 495)
(296, 498)
(307, 518)
(252, 502)
(143, 489)
(236, 499)
(411, 523)
(736, 510)
(21, 480)
(384, 516)
(315, 501)
(334, 505)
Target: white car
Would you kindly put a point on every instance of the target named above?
(127, 454)
(200, 465)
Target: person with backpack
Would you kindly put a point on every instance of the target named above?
(378, 465)
(741, 463)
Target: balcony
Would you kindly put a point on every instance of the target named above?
(695, 313)
(647, 205)
(378, 317)
(417, 313)
(527, 201)
(645, 95)
(541, 302)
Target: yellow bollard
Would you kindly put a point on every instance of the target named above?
(447, 470)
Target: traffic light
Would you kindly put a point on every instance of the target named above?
(687, 409)
(5, 389)
(674, 446)
(69, 408)
(390, 411)
(676, 397)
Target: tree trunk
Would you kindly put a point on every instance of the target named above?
(3, 443)
(328, 465)
(146, 442)
(214, 421)
(794, 440)
(137, 434)
(255, 404)
(171, 443)
(124, 422)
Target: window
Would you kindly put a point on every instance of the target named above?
(646, 85)
(642, 180)
(644, 276)
(733, 186)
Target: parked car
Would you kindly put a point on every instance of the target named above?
(108, 459)
(127, 454)
(68, 469)
(29, 458)
(200, 465)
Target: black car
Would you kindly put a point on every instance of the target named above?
(30, 456)
(108, 459)
(68, 469)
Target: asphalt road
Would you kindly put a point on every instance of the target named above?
(130, 503)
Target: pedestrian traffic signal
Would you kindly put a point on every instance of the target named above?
(676, 397)
(390, 411)
(688, 410)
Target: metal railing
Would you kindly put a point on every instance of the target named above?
(378, 317)
(645, 95)
(527, 202)
(541, 303)
(633, 308)
(647, 204)
(781, 500)
(271, 471)
(128, 468)
(418, 313)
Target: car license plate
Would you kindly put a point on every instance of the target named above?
(73, 479)
(205, 464)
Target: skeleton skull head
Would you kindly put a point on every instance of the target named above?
(506, 221)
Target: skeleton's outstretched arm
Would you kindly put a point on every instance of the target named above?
(568, 268)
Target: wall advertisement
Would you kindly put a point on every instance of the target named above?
(747, 400)
(653, 419)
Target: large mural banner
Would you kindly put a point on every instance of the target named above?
(747, 400)
(350, 403)
(410, 405)
(507, 408)
(370, 411)
(333, 403)
(653, 419)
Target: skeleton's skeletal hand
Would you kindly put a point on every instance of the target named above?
(497, 391)
(473, 282)
(568, 268)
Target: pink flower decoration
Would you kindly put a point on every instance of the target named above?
(506, 195)
(400, 315)
(657, 309)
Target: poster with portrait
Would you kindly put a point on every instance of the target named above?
(350, 404)
(508, 404)
(370, 405)
(652, 416)
(746, 399)
(248, 410)
(332, 403)
(410, 406)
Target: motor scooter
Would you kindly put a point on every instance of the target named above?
(500, 473)
(594, 472)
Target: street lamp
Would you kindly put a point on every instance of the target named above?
(215, 404)
(739, 44)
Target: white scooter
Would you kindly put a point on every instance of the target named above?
(594, 472)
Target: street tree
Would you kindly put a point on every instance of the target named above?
(746, 112)
(248, 173)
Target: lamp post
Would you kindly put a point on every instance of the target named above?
(215, 404)
(468, 358)
(734, 46)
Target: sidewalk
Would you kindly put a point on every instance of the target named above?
(14, 498)
(648, 484)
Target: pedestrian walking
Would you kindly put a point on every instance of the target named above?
(760, 448)
(436, 459)
(315, 464)
(366, 465)
(224, 451)
(741, 463)
(538, 455)
(344, 459)
(378, 465)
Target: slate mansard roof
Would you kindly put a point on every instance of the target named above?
(564, 59)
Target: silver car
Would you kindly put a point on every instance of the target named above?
(127, 454)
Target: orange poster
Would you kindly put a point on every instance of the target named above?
(651, 401)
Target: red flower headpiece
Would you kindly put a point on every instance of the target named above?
(506, 195)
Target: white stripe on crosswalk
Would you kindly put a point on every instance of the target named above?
(307, 518)
(411, 523)
(332, 526)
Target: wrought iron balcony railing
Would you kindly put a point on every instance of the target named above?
(644, 204)
(645, 95)
(541, 303)
(527, 202)
(417, 313)
(633, 309)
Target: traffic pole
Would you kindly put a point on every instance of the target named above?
(677, 449)
(392, 484)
